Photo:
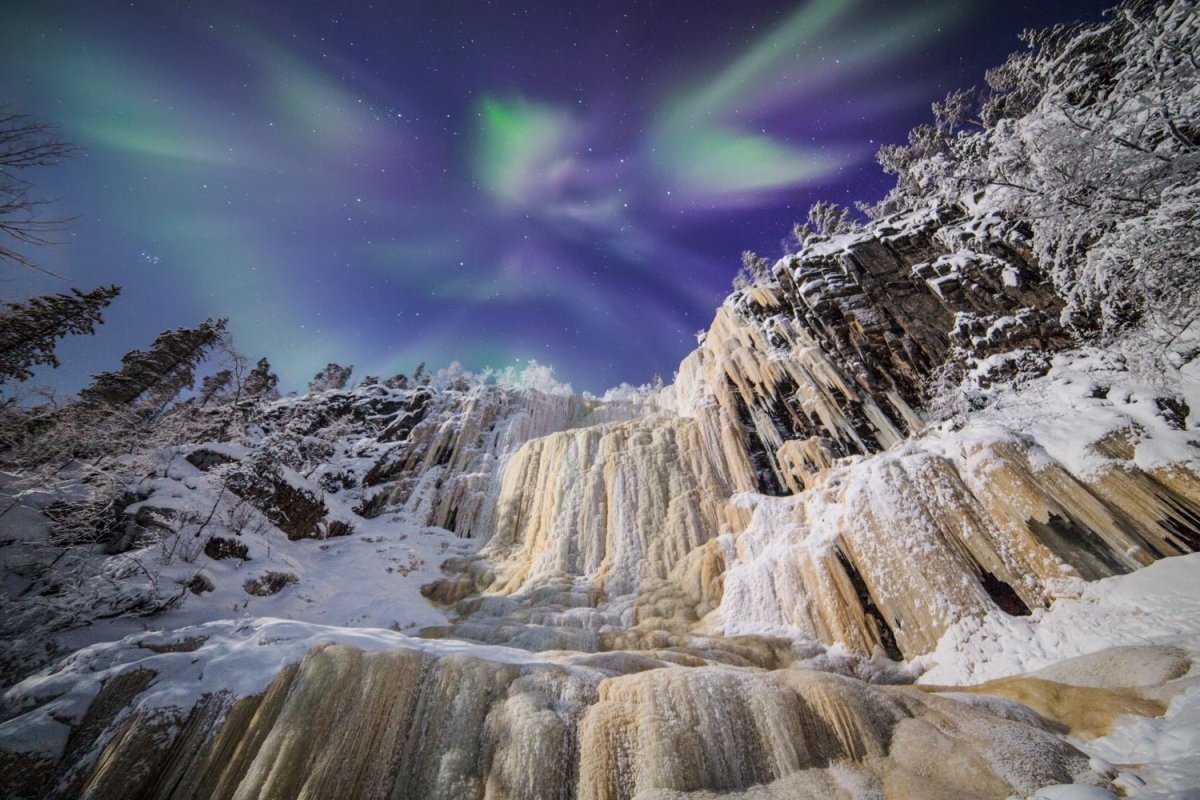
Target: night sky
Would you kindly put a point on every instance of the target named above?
(380, 184)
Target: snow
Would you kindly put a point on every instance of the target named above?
(1189, 386)
(1085, 396)
(239, 657)
(369, 579)
(1158, 605)
(372, 578)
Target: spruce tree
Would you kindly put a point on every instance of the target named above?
(262, 383)
(334, 376)
(30, 330)
(214, 387)
(156, 376)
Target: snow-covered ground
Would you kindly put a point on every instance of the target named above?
(238, 657)
(369, 579)
(1157, 605)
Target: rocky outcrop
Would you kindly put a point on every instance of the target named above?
(836, 355)
(446, 466)
(295, 508)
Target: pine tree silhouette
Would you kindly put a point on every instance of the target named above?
(156, 376)
(29, 331)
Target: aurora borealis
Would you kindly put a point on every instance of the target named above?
(389, 183)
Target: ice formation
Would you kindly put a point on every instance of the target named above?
(725, 587)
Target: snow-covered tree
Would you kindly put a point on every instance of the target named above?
(1092, 136)
(825, 219)
(261, 382)
(756, 267)
(333, 376)
(215, 387)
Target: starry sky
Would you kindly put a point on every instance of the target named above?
(381, 184)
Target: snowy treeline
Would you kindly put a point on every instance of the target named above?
(1091, 136)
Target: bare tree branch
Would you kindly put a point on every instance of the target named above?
(26, 142)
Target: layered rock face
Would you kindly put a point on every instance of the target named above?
(836, 356)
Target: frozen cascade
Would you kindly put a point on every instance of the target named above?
(407, 721)
(788, 484)
(720, 588)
